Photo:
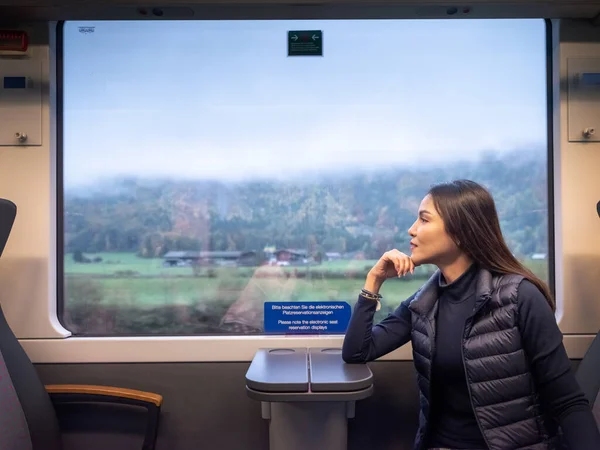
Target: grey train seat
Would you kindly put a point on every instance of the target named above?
(588, 376)
(28, 418)
(588, 372)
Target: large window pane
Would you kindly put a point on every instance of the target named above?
(206, 171)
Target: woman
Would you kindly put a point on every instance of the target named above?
(491, 367)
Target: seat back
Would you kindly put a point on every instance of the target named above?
(8, 213)
(27, 417)
(589, 369)
(588, 376)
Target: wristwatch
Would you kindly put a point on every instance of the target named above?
(372, 296)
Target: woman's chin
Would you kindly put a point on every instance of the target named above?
(417, 259)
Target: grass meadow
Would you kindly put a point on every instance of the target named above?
(126, 294)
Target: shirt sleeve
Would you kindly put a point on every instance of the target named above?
(559, 391)
(364, 342)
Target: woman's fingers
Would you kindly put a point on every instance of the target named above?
(401, 261)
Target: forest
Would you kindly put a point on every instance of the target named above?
(366, 211)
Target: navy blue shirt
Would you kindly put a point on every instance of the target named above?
(452, 420)
(453, 423)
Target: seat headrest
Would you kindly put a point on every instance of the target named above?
(8, 212)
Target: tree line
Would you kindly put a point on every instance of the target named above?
(344, 213)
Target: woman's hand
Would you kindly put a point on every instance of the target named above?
(392, 264)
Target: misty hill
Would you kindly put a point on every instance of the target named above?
(354, 212)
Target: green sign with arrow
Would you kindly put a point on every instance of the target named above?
(305, 43)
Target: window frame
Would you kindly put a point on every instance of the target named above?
(327, 340)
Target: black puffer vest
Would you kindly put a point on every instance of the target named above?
(501, 386)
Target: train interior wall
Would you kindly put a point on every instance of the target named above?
(205, 404)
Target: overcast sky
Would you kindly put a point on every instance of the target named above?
(221, 99)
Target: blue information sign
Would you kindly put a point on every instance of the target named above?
(307, 317)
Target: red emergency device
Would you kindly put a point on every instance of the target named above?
(13, 40)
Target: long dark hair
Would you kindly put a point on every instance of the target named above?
(470, 218)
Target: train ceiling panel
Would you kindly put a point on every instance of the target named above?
(11, 10)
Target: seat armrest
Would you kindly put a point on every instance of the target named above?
(121, 395)
(77, 393)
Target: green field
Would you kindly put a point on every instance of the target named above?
(126, 279)
(127, 294)
(157, 291)
(115, 264)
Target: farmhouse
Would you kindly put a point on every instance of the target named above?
(218, 258)
(291, 256)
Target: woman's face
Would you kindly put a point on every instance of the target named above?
(430, 244)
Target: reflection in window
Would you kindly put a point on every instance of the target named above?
(206, 172)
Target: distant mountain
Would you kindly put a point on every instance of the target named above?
(368, 212)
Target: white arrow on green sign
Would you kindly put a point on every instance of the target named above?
(305, 43)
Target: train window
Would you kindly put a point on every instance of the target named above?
(206, 170)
